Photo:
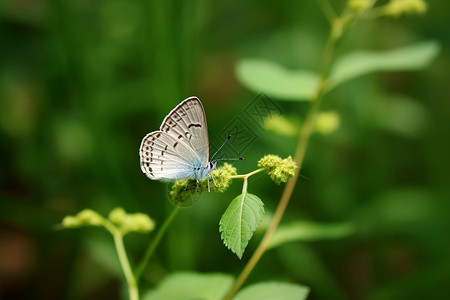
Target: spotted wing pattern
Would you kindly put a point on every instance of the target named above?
(180, 148)
(187, 122)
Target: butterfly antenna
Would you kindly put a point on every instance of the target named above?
(228, 138)
(239, 158)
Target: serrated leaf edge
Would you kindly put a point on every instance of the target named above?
(221, 224)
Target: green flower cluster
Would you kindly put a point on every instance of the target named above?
(222, 178)
(186, 188)
(117, 220)
(86, 217)
(398, 7)
(137, 222)
(279, 170)
(183, 189)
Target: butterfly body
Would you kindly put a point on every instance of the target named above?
(180, 149)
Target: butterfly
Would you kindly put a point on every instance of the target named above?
(180, 148)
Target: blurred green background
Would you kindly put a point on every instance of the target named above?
(82, 82)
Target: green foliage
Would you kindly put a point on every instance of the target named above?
(81, 82)
(273, 79)
(352, 65)
(189, 286)
(299, 85)
(273, 290)
(309, 231)
(240, 220)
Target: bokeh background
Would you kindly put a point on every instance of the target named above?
(81, 83)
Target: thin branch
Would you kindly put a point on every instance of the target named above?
(305, 133)
(151, 249)
(124, 262)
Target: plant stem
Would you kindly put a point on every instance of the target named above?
(246, 175)
(131, 280)
(148, 254)
(305, 133)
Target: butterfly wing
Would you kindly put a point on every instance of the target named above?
(164, 157)
(180, 147)
(187, 123)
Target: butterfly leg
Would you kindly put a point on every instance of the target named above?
(209, 190)
(212, 176)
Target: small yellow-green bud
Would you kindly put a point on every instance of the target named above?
(279, 170)
(89, 217)
(396, 8)
(137, 222)
(70, 222)
(359, 5)
(327, 122)
(281, 125)
(117, 216)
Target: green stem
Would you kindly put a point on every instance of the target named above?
(133, 289)
(125, 264)
(244, 187)
(151, 249)
(305, 133)
(246, 175)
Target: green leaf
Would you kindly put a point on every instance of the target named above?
(360, 63)
(189, 286)
(239, 221)
(275, 80)
(273, 290)
(309, 231)
(299, 85)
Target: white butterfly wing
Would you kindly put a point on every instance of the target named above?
(187, 122)
(164, 157)
(180, 146)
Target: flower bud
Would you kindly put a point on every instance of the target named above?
(117, 216)
(279, 170)
(89, 217)
(327, 122)
(137, 222)
(70, 222)
(396, 8)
